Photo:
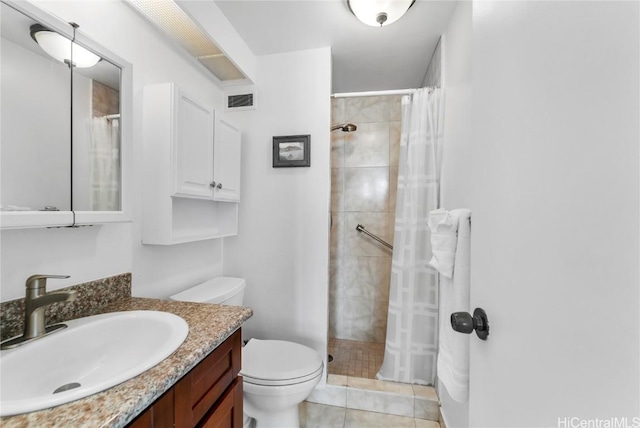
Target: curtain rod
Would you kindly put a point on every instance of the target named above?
(374, 93)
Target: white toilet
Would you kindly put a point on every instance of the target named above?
(277, 375)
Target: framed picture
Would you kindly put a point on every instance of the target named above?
(291, 150)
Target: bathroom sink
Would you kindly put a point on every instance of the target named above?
(91, 355)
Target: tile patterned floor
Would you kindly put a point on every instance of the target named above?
(322, 416)
(355, 358)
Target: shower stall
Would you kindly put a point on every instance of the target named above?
(383, 316)
(365, 144)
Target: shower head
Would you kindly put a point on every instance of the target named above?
(345, 127)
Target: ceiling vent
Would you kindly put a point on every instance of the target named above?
(173, 21)
(241, 100)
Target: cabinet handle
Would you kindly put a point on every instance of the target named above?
(212, 184)
(219, 186)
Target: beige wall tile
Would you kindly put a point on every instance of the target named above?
(336, 278)
(336, 318)
(364, 319)
(105, 100)
(337, 189)
(337, 149)
(395, 128)
(395, 107)
(337, 235)
(393, 190)
(368, 146)
(366, 189)
(357, 243)
(337, 111)
(367, 109)
(367, 277)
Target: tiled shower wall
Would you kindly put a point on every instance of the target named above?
(363, 191)
(105, 100)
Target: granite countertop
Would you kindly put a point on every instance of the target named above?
(209, 326)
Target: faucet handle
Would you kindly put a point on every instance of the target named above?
(40, 281)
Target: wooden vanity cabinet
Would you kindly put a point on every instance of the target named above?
(210, 395)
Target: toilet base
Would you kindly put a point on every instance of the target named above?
(276, 406)
(288, 419)
(248, 421)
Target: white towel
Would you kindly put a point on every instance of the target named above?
(444, 228)
(453, 353)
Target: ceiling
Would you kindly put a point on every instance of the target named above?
(364, 58)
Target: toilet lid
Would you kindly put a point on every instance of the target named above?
(278, 362)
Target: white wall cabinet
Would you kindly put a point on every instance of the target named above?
(191, 181)
(227, 162)
(192, 142)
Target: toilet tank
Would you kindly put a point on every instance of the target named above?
(224, 290)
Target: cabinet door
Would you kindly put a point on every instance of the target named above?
(199, 391)
(158, 415)
(192, 147)
(226, 171)
(228, 412)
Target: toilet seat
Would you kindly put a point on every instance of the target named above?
(279, 363)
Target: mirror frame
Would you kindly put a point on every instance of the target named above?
(33, 219)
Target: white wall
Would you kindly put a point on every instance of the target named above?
(553, 162)
(283, 244)
(96, 252)
(457, 160)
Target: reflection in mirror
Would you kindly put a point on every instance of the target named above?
(61, 144)
(35, 107)
(96, 138)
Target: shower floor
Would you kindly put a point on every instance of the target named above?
(355, 358)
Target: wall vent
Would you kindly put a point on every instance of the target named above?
(241, 101)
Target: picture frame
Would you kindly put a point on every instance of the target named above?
(291, 151)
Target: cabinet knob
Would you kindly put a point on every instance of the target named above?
(212, 184)
(219, 186)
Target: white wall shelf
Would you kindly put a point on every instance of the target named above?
(181, 203)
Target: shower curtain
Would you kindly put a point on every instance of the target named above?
(105, 164)
(412, 325)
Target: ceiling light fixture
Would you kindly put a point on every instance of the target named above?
(62, 49)
(378, 13)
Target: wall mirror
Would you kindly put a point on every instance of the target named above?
(65, 116)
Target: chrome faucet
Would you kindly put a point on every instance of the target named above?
(34, 305)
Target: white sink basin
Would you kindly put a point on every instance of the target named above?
(91, 355)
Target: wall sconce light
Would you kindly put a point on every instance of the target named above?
(61, 48)
(378, 13)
